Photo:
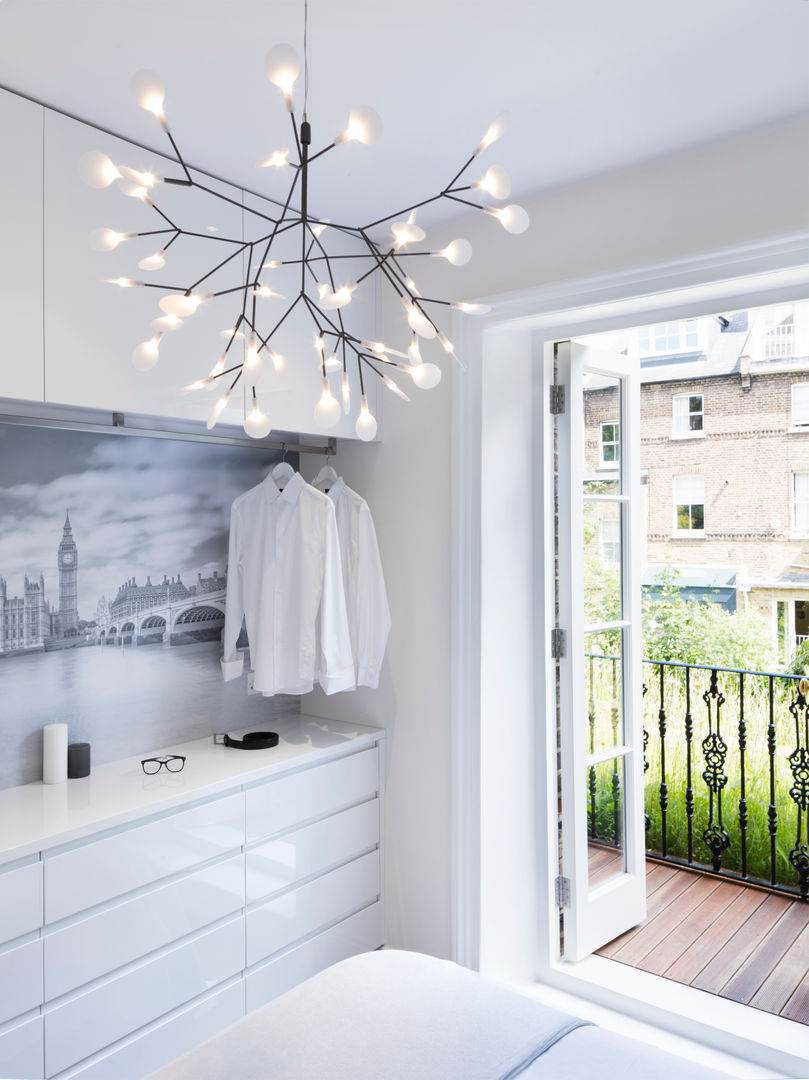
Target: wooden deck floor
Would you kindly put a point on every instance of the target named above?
(719, 936)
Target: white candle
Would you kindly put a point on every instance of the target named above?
(54, 753)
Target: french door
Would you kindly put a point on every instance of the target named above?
(600, 677)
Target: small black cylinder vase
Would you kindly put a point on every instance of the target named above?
(78, 760)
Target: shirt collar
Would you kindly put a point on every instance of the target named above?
(292, 489)
(336, 490)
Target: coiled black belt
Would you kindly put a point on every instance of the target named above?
(253, 740)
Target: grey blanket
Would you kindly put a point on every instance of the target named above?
(382, 1016)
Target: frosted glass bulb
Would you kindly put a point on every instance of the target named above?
(279, 362)
(406, 232)
(472, 309)
(346, 394)
(143, 178)
(252, 360)
(364, 125)
(212, 378)
(414, 352)
(153, 262)
(419, 322)
(256, 424)
(179, 304)
(146, 355)
(513, 218)
(124, 282)
(277, 160)
(327, 410)
(231, 333)
(217, 410)
(167, 322)
(107, 239)
(200, 384)
(458, 253)
(365, 426)
(496, 182)
(446, 343)
(133, 189)
(333, 363)
(394, 387)
(273, 264)
(283, 66)
(97, 170)
(318, 343)
(266, 292)
(331, 301)
(494, 131)
(318, 228)
(148, 91)
(425, 376)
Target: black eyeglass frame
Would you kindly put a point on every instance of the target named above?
(161, 762)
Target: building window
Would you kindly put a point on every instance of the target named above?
(689, 504)
(800, 405)
(687, 414)
(610, 453)
(779, 340)
(800, 502)
(610, 540)
(670, 337)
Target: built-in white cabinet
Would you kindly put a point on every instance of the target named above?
(22, 372)
(126, 945)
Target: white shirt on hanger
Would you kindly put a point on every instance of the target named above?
(285, 581)
(366, 598)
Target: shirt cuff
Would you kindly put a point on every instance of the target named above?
(368, 676)
(232, 669)
(340, 680)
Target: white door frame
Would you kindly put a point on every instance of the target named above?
(504, 924)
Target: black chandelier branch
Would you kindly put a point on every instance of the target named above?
(322, 291)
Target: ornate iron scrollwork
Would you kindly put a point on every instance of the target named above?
(715, 749)
(798, 762)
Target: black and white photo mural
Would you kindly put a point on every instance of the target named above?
(113, 570)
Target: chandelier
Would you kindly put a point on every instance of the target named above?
(320, 289)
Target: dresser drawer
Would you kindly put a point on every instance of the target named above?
(169, 1038)
(97, 945)
(112, 1009)
(21, 1051)
(20, 979)
(289, 801)
(359, 933)
(279, 863)
(103, 869)
(20, 901)
(302, 911)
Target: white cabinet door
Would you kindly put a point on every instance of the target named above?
(21, 365)
(21, 1053)
(20, 900)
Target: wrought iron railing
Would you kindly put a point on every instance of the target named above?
(726, 760)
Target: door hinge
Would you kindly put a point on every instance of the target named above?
(557, 643)
(557, 399)
(561, 891)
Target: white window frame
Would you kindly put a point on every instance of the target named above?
(616, 442)
(799, 410)
(799, 530)
(676, 502)
(610, 546)
(659, 339)
(684, 431)
(504, 859)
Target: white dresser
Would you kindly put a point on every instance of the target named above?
(140, 915)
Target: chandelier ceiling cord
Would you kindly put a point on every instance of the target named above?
(322, 293)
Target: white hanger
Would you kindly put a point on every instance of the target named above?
(325, 479)
(281, 473)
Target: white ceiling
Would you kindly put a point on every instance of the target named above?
(592, 85)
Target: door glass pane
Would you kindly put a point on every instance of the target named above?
(601, 402)
(603, 691)
(605, 821)
(602, 561)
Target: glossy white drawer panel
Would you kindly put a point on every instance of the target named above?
(88, 949)
(281, 862)
(281, 804)
(359, 933)
(20, 901)
(20, 979)
(102, 869)
(114, 1008)
(304, 910)
(21, 1051)
(176, 1035)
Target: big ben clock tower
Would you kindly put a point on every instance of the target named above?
(68, 561)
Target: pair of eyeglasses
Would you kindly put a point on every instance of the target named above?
(152, 765)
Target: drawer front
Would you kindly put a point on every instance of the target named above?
(111, 1010)
(21, 1051)
(103, 869)
(20, 980)
(20, 901)
(169, 1039)
(304, 910)
(95, 946)
(359, 933)
(282, 804)
(281, 862)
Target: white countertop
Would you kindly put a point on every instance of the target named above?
(35, 817)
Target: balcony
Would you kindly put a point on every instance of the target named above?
(726, 758)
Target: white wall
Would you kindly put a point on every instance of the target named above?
(744, 190)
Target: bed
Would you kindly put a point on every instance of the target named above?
(391, 1015)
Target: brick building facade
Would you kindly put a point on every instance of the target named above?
(725, 458)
